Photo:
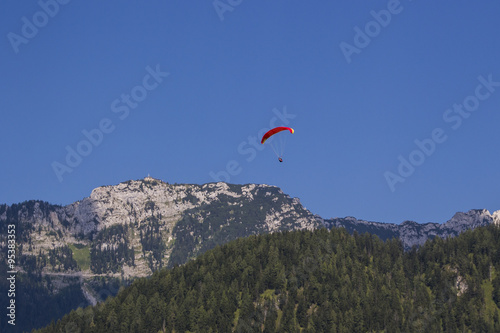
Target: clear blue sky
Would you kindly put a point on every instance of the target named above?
(357, 104)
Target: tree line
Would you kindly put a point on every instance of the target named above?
(313, 281)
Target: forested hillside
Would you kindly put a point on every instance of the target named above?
(313, 281)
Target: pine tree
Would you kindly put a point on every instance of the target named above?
(302, 312)
(287, 324)
(271, 317)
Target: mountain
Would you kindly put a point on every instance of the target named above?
(78, 254)
(416, 234)
(75, 255)
(148, 224)
(313, 281)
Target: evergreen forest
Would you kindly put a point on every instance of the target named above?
(313, 281)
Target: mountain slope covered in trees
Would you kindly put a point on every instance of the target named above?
(314, 281)
(78, 254)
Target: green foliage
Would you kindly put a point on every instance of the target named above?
(36, 302)
(320, 281)
(153, 245)
(61, 259)
(110, 249)
(81, 254)
(226, 219)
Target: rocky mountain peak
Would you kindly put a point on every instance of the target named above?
(496, 217)
(471, 219)
(148, 223)
(409, 223)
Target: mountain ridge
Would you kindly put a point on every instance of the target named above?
(136, 227)
(137, 202)
(413, 233)
(134, 201)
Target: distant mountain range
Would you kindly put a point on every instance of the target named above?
(413, 233)
(134, 228)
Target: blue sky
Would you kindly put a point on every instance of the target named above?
(181, 90)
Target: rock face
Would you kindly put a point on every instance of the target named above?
(412, 233)
(147, 224)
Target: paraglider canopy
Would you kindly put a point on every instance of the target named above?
(274, 131)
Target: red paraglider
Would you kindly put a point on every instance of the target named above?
(274, 131)
(278, 150)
